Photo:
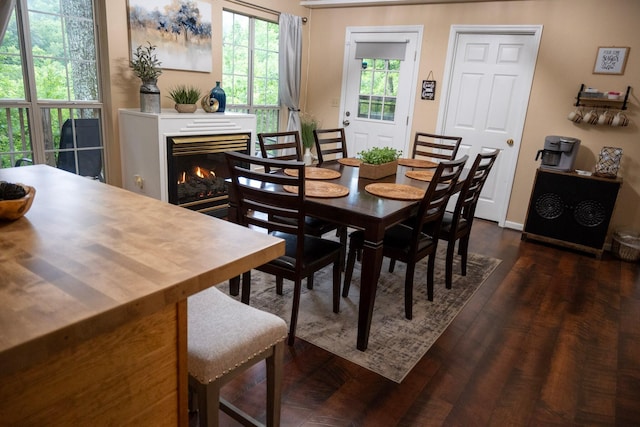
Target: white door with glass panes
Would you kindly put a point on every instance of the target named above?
(380, 69)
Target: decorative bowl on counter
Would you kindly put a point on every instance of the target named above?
(14, 208)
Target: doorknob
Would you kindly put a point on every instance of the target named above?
(345, 122)
(509, 141)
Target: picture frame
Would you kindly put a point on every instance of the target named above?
(428, 90)
(180, 30)
(611, 60)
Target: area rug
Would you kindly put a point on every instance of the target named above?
(395, 343)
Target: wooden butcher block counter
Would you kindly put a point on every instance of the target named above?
(93, 288)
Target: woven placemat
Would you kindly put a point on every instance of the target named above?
(395, 191)
(350, 161)
(417, 163)
(320, 189)
(314, 173)
(420, 175)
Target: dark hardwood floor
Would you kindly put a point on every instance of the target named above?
(551, 339)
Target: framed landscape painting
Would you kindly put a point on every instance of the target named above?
(180, 30)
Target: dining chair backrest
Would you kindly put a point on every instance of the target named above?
(262, 200)
(331, 144)
(435, 147)
(434, 203)
(472, 187)
(280, 146)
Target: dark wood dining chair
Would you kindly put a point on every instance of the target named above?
(264, 201)
(407, 242)
(331, 145)
(434, 147)
(286, 146)
(280, 146)
(456, 225)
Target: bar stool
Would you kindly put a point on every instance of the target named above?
(225, 338)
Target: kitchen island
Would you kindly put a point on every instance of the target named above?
(93, 287)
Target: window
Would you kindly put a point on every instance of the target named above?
(50, 103)
(378, 89)
(250, 68)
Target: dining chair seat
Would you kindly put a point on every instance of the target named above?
(225, 338)
(407, 242)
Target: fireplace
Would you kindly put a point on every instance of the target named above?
(197, 170)
(179, 158)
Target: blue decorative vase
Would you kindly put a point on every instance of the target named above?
(218, 94)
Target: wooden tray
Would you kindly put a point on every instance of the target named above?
(350, 161)
(417, 163)
(320, 189)
(395, 191)
(420, 175)
(314, 173)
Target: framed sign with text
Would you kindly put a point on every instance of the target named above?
(428, 90)
(611, 60)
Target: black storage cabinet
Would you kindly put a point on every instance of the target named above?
(571, 210)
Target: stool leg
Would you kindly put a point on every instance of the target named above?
(208, 397)
(274, 384)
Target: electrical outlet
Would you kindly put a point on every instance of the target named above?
(138, 181)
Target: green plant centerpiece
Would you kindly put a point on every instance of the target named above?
(378, 162)
(146, 67)
(186, 98)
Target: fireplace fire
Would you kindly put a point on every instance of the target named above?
(198, 170)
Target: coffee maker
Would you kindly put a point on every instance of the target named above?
(559, 153)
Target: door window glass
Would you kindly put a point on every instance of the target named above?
(378, 88)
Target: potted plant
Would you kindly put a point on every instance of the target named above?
(146, 67)
(378, 162)
(307, 125)
(186, 98)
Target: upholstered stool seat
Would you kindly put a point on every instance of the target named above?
(225, 337)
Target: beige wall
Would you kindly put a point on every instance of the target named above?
(573, 30)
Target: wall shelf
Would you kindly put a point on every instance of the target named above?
(587, 101)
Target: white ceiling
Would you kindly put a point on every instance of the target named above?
(347, 3)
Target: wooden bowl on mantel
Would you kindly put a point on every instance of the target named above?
(13, 209)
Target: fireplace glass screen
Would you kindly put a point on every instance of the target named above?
(197, 170)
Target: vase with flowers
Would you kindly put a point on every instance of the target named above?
(307, 125)
(146, 67)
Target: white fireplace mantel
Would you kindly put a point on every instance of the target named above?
(143, 142)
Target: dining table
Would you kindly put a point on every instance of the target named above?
(94, 281)
(371, 213)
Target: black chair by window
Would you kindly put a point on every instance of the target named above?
(436, 148)
(88, 149)
(261, 200)
(286, 146)
(331, 145)
(407, 242)
(456, 225)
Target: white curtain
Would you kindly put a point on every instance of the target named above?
(6, 7)
(290, 67)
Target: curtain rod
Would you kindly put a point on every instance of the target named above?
(261, 8)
